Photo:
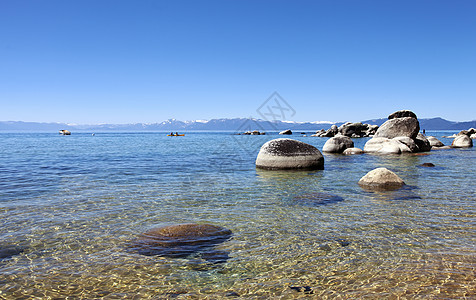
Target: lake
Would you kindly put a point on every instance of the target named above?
(71, 205)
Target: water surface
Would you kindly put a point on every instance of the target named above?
(73, 203)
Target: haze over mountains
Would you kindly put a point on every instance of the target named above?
(236, 124)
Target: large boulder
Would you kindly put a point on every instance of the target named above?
(462, 141)
(434, 142)
(337, 144)
(422, 143)
(381, 178)
(406, 126)
(287, 131)
(180, 240)
(402, 114)
(382, 145)
(406, 144)
(285, 153)
(352, 129)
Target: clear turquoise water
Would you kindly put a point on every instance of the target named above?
(73, 203)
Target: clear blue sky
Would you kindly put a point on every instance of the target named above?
(146, 61)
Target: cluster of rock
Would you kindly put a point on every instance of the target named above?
(399, 134)
(471, 133)
(354, 130)
(255, 132)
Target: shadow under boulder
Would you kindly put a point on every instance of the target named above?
(179, 241)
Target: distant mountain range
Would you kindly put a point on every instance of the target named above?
(236, 124)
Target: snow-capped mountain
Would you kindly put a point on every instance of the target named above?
(235, 124)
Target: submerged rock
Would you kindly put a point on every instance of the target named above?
(8, 251)
(316, 198)
(289, 154)
(337, 144)
(462, 141)
(429, 165)
(381, 178)
(181, 240)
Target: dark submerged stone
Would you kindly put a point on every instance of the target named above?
(8, 251)
(317, 198)
(183, 240)
(427, 165)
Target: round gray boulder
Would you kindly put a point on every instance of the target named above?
(381, 178)
(337, 144)
(406, 126)
(282, 154)
(462, 141)
(434, 142)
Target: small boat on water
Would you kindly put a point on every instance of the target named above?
(175, 134)
(65, 132)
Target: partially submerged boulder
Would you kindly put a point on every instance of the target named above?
(180, 240)
(462, 141)
(337, 144)
(434, 142)
(285, 153)
(382, 145)
(381, 178)
(286, 132)
(351, 151)
(422, 143)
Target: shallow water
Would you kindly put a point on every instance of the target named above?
(74, 203)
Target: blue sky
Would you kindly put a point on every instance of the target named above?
(146, 61)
